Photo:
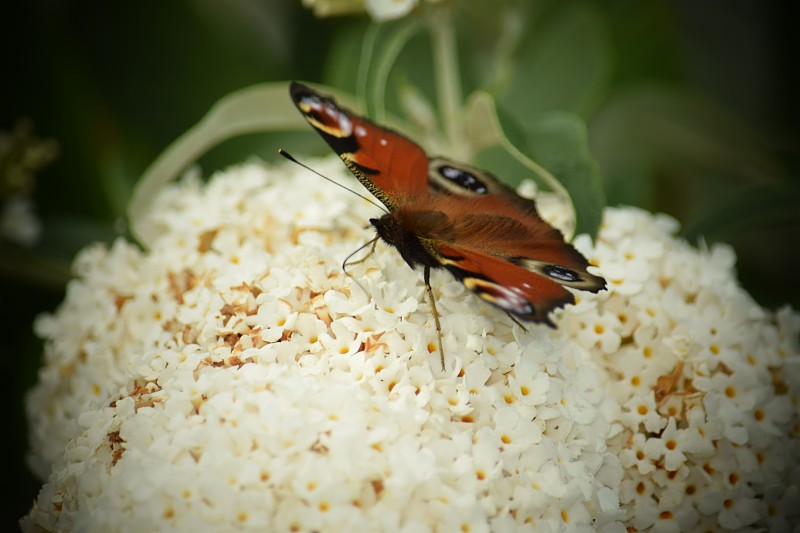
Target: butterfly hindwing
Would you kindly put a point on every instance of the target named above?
(510, 287)
(506, 244)
(508, 256)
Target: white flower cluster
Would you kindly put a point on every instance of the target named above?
(378, 10)
(233, 377)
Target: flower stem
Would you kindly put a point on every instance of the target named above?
(448, 82)
(367, 47)
(395, 44)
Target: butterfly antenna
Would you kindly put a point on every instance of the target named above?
(291, 158)
(347, 262)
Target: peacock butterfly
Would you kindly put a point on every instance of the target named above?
(444, 214)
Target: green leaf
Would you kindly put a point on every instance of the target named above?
(680, 150)
(553, 148)
(747, 209)
(259, 108)
(563, 63)
(484, 128)
(558, 141)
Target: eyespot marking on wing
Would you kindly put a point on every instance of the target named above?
(561, 274)
(511, 299)
(462, 178)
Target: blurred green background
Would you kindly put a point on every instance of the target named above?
(691, 110)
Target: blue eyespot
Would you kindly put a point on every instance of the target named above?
(464, 179)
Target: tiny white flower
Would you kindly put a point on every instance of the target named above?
(389, 9)
(642, 410)
(672, 445)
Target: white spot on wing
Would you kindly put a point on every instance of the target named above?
(345, 124)
(511, 299)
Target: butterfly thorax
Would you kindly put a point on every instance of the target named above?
(412, 248)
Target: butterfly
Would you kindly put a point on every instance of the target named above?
(444, 214)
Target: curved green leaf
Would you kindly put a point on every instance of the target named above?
(558, 141)
(255, 108)
(259, 108)
(553, 147)
(564, 62)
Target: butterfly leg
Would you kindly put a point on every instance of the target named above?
(517, 322)
(427, 277)
(347, 261)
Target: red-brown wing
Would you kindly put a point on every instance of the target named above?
(525, 294)
(522, 237)
(392, 167)
(494, 225)
(502, 250)
(487, 216)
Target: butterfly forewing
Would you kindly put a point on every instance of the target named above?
(388, 164)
